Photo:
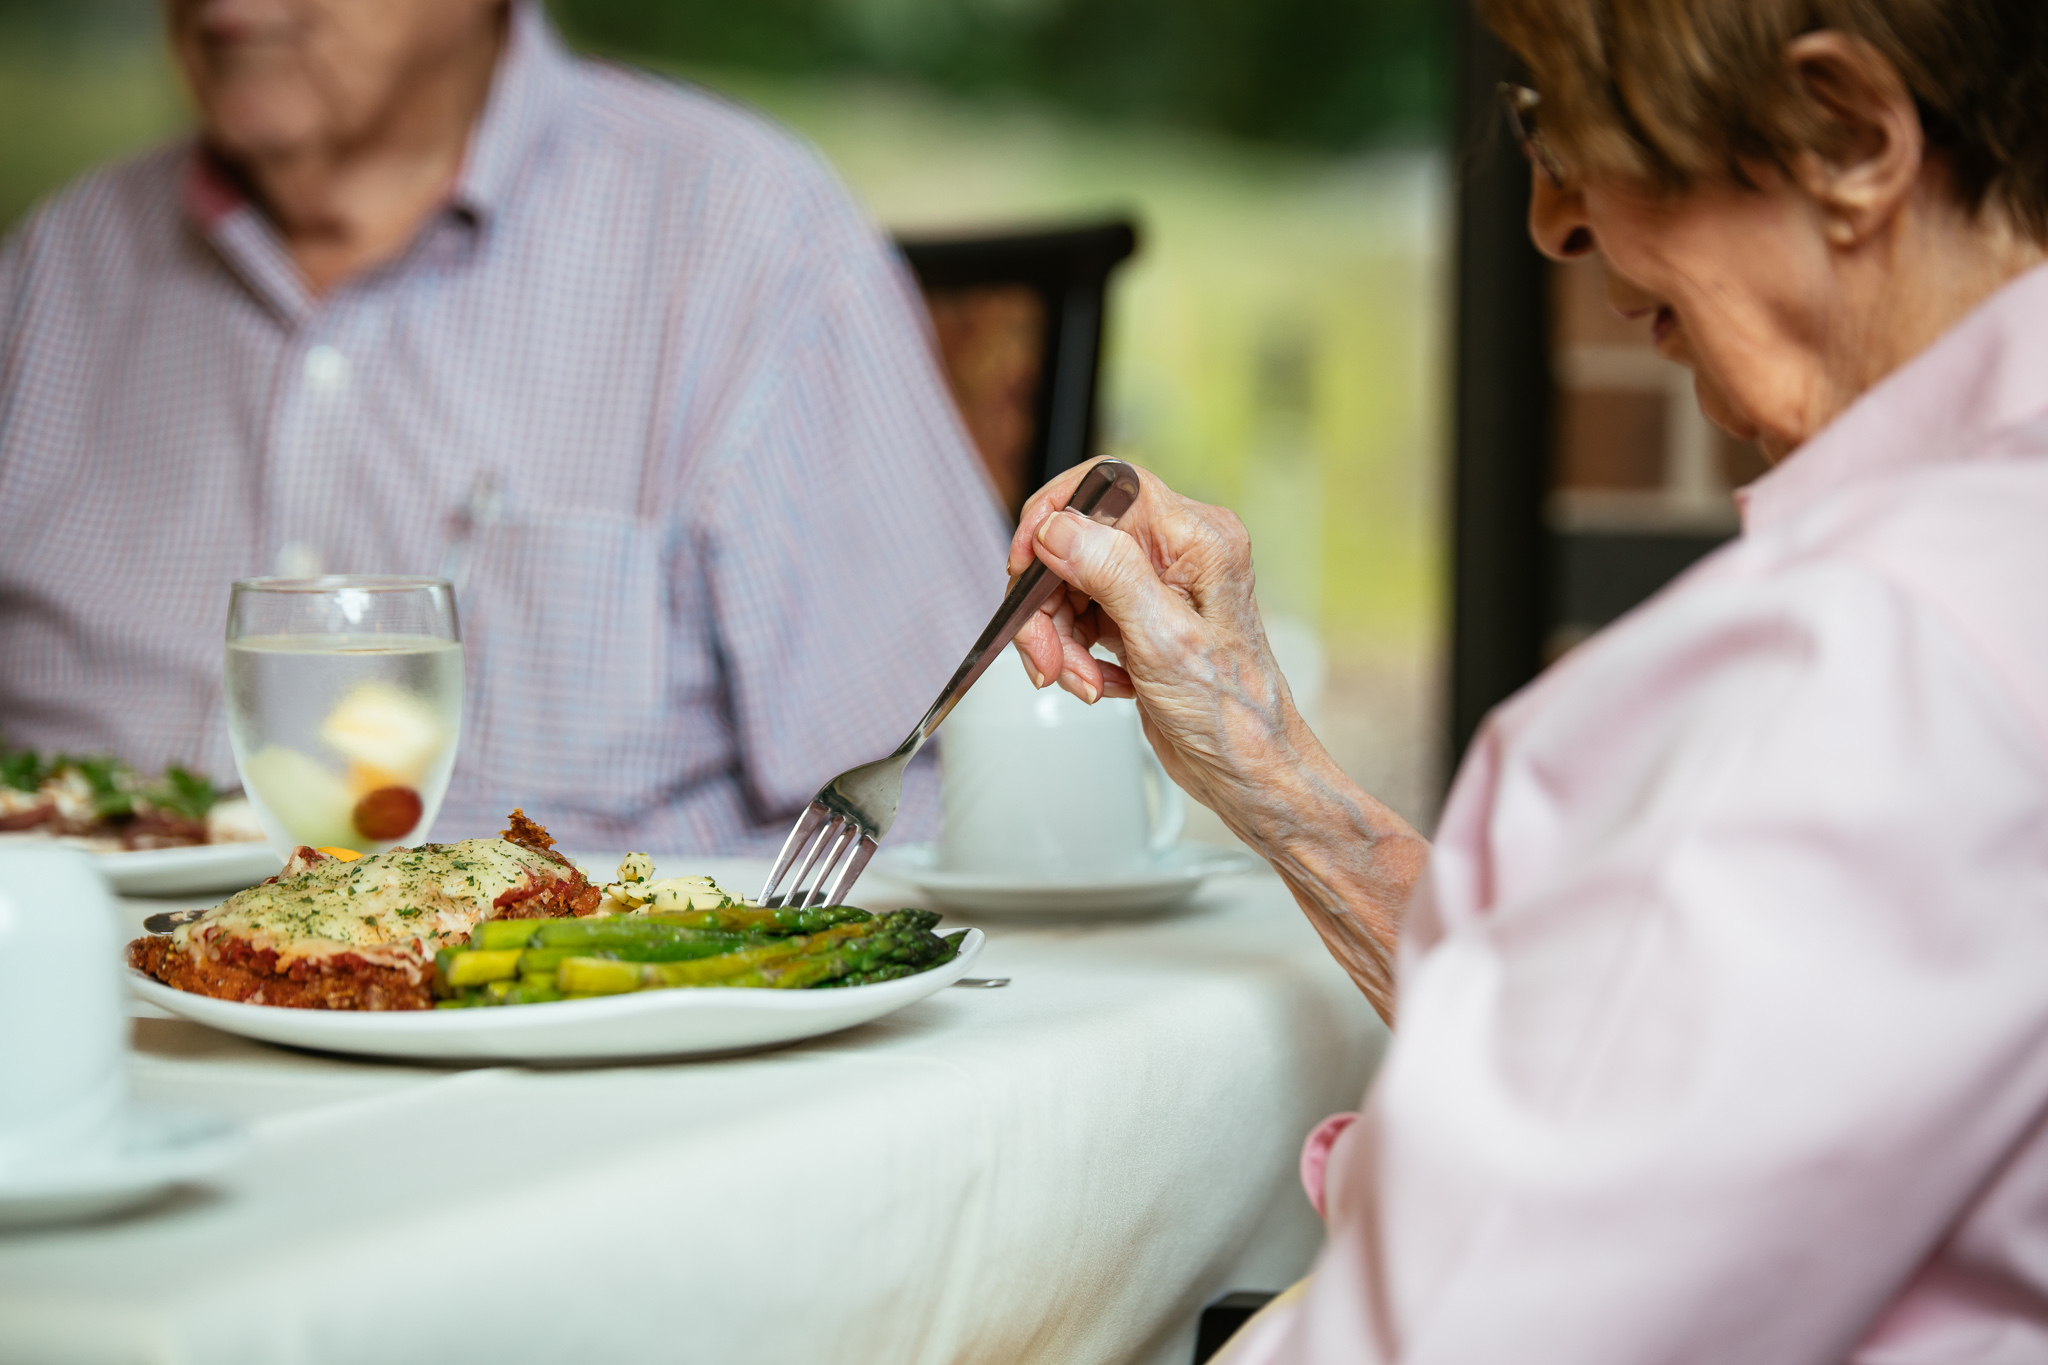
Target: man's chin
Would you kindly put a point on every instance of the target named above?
(258, 125)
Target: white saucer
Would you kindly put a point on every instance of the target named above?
(158, 1149)
(1159, 886)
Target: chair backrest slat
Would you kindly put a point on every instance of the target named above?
(982, 289)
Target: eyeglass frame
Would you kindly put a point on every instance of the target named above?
(1517, 102)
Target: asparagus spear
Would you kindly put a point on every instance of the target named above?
(496, 934)
(630, 932)
(610, 976)
(761, 919)
(755, 920)
(893, 970)
(900, 939)
(597, 976)
(852, 952)
(461, 967)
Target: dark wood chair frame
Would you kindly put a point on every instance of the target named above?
(1070, 268)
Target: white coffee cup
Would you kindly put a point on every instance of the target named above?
(1040, 785)
(63, 1027)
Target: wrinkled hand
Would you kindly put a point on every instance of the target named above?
(1168, 592)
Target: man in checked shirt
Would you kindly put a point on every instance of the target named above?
(428, 295)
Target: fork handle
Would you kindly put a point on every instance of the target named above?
(1105, 493)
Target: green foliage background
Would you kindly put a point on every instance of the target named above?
(1323, 74)
(1327, 74)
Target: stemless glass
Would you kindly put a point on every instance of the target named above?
(344, 706)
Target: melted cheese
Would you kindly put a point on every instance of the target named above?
(394, 909)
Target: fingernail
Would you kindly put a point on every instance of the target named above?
(1057, 533)
(1031, 671)
(1089, 693)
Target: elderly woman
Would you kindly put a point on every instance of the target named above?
(1723, 996)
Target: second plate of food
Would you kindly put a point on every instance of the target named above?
(661, 1023)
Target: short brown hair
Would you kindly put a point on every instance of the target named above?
(1673, 90)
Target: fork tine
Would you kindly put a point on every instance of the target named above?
(799, 886)
(806, 825)
(854, 867)
(842, 840)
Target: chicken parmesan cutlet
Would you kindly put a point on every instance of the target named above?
(335, 934)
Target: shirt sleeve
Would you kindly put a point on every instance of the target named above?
(852, 546)
(1734, 1001)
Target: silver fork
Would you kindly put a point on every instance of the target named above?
(844, 824)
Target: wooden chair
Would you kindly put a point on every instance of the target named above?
(1019, 320)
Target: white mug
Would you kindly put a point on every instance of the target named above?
(1040, 785)
(63, 1028)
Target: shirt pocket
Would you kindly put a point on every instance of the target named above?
(564, 625)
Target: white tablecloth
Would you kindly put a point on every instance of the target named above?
(1064, 1170)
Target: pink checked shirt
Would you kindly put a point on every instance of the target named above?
(1723, 1031)
(649, 387)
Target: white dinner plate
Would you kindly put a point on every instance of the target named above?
(188, 871)
(1159, 886)
(157, 1150)
(672, 1023)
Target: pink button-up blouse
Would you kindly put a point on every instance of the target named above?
(1724, 1007)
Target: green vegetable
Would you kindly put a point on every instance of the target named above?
(495, 934)
(182, 792)
(115, 787)
(22, 770)
(460, 969)
(626, 931)
(755, 918)
(527, 961)
(546, 959)
(892, 970)
(597, 976)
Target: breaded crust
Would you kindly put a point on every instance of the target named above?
(528, 833)
(342, 982)
(573, 895)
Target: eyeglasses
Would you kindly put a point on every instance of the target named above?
(1518, 103)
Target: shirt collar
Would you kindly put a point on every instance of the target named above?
(1985, 376)
(531, 87)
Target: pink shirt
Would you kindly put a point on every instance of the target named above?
(1724, 1008)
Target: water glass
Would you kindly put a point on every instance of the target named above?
(344, 698)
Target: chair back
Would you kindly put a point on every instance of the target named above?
(1019, 322)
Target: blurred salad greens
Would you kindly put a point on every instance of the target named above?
(116, 788)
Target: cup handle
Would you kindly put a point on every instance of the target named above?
(1169, 806)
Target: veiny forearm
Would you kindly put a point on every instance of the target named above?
(1349, 860)
(1171, 593)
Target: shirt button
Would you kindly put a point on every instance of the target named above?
(326, 370)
